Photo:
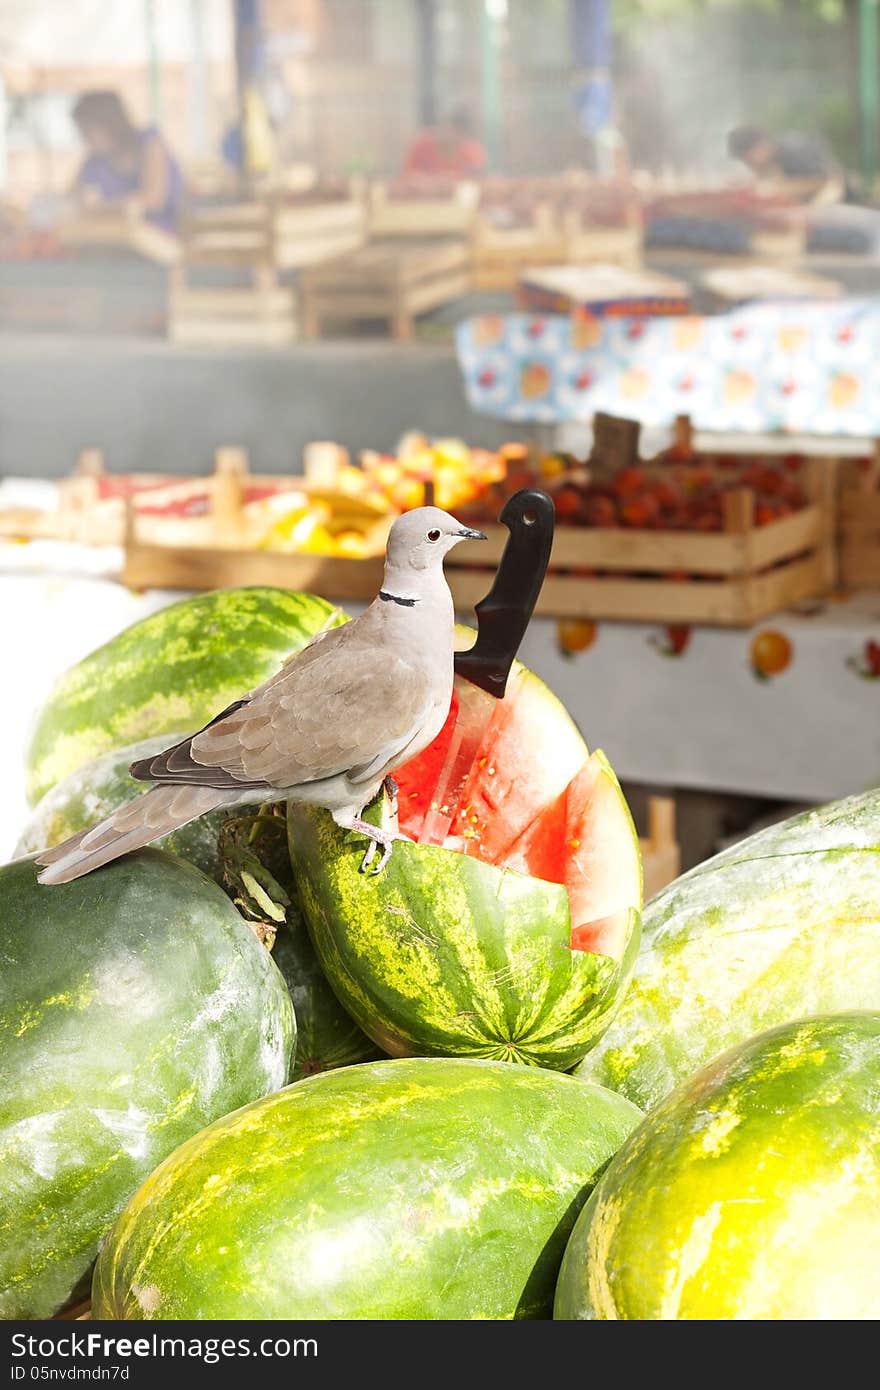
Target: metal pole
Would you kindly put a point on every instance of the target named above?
(492, 15)
(869, 99)
(198, 82)
(427, 69)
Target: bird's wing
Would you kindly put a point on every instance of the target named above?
(345, 707)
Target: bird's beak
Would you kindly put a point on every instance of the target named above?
(467, 534)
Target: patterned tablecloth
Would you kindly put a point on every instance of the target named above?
(809, 367)
(789, 710)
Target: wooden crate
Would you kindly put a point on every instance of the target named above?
(392, 281)
(859, 525)
(120, 232)
(661, 856)
(259, 315)
(306, 234)
(501, 253)
(238, 235)
(230, 508)
(402, 213)
(589, 243)
(225, 547)
(264, 238)
(153, 566)
(743, 573)
(742, 284)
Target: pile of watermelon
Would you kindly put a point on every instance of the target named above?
(256, 1083)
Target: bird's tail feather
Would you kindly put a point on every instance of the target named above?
(130, 827)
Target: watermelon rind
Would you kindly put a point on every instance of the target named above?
(424, 1188)
(751, 1192)
(175, 669)
(781, 925)
(100, 787)
(136, 1006)
(443, 954)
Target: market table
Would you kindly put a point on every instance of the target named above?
(781, 366)
(788, 710)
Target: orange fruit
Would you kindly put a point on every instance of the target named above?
(770, 652)
(575, 635)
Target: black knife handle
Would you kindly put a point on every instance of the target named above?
(503, 615)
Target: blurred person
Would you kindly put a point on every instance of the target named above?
(126, 166)
(445, 151)
(794, 158)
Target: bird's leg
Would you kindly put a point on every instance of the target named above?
(385, 838)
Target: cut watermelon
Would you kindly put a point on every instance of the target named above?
(510, 928)
(587, 841)
(534, 801)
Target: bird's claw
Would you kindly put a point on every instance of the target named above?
(370, 854)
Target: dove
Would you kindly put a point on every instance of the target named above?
(327, 729)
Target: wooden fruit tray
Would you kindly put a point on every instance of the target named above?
(152, 565)
(262, 238)
(399, 212)
(859, 532)
(731, 578)
(119, 232)
(390, 280)
(501, 253)
(194, 526)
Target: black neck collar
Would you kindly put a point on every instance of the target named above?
(395, 598)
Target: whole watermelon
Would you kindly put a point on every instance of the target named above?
(257, 874)
(136, 1006)
(431, 1188)
(101, 786)
(442, 953)
(176, 669)
(327, 1036)
(751, 1192)
(784, 924)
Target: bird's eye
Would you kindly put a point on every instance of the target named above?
(433, 535)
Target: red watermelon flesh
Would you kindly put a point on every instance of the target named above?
(417, 780)
(587, 841)
(535, 802)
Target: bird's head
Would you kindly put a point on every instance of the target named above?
(418, 540)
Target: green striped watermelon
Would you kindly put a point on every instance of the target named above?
(430, 1188)
(785, 924)
(327, 1037)
(257, 874)
(173, 670)
(515, 941)
(101, 786)
(135, 1007)
(751, 1192)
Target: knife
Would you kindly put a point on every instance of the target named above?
(502, 618)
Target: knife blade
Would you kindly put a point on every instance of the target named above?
(502, 618)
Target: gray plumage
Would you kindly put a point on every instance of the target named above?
(327, 728)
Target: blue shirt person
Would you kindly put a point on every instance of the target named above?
(126, 164)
